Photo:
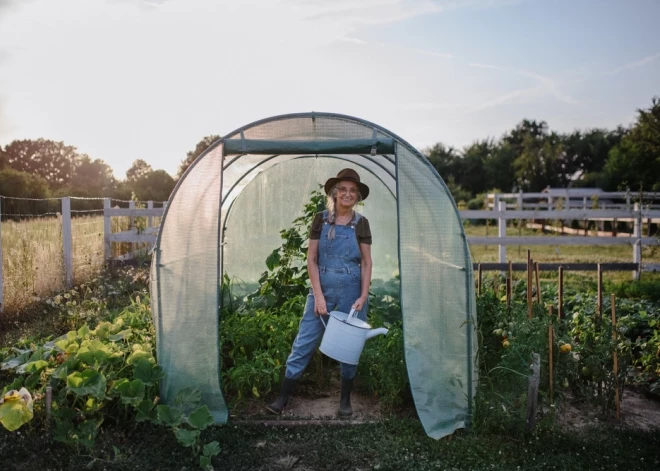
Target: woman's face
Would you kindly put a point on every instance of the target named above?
(347, 194)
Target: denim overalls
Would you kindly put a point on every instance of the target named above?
(339, 272)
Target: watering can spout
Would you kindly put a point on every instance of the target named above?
(374, 332)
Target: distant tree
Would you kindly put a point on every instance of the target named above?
(14, 183)
(635, 162)
(498, 168)
(54, 161)
(138, 169)
(193, 154)
(474, 178)
(584, 155)
(92, 178)
(154, 186)
(446, 160)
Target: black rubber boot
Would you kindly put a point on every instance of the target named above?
(345, 409)
(280, 403)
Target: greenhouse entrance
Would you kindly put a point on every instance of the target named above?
(224, 220)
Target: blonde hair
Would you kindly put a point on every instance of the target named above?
(331, 206)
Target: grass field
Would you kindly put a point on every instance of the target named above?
(32, 256)
(33, 263)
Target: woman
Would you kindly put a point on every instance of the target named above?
(339, 267)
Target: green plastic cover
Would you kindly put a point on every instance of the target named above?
(226, 214)
(339, 146)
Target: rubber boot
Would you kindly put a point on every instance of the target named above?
(345, 409)
(280, 403)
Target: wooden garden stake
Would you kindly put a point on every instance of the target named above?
(479, 274)
(599, 314)
(49, 403)
(561, 293)
(616, 362)
(495, 287)
(533, 390)
(529, 283)
(508, 292)
(550, 341)
(538, 285)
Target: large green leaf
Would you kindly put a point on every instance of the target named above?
(169, 415)
(138, 355)
(35, 366)
(147, 372)
(145, 411)
(200, 418)
(93, 352)
(89, 382)
(83, 331)
(131, 392)
(16, 409)
(186, 437)
(211, 449)
(17, 361)
(124, 334)
(187, 399)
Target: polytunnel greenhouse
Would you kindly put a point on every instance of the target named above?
(225, 217)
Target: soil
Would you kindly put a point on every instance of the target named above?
(317, 405)
(638, 411)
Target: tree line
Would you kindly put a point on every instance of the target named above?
(530, 157)
(43, 168)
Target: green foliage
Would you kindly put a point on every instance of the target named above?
(286, 278)
(20, 184)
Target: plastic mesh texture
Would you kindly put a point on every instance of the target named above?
(436, 298)
(242, 212)
(186, 287)
(274, 198)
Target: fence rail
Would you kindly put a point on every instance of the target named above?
(502, 212)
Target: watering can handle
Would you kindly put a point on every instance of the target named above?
(324, 324)
(352, 314)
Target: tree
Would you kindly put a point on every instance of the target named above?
(22, 185)
(154, 186)
(54, 161)
(635, 161)
(92, 178)
(193, 154)
(446, 161)
(138, 169)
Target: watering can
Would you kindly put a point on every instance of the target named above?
(344, 336)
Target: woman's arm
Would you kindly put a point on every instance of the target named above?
(313, 272)
(366, 264)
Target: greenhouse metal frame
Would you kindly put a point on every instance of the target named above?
(225, 215)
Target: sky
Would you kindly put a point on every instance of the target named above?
(147, 79)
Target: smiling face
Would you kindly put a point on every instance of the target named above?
(347, 194)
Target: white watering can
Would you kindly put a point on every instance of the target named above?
(344, 336)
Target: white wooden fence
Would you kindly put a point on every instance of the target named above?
(504, 212)
(636, 214)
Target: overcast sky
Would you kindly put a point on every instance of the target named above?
(147, 79)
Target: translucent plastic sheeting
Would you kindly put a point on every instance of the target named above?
(437, 298)
(274, 198)
(242, 210)
(186, 287)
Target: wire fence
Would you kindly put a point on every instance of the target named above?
(32, 244)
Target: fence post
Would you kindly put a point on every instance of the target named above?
(501, 230)
(131, 224)
(2, 290)
(150, 219)
(67, 243)
(107, 228)
(637, 244)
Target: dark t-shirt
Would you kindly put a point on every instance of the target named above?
(362, 229)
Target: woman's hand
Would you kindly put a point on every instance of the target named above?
(361, 301)
(319, 305)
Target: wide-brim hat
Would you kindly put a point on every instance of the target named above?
(347, 174)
